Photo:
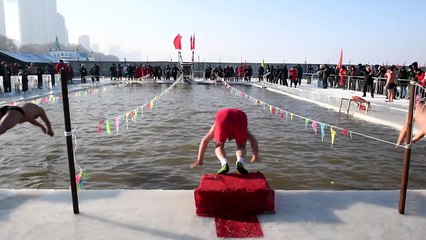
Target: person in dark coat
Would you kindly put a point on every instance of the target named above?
(368, 82)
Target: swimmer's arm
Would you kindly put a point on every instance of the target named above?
(420, 120)
(203, 146)
(254, 147)
(45, 120)
(417, 137)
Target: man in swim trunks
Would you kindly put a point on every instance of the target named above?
(10, 116)
(229, 124)
(391, 83)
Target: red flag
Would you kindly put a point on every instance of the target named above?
(339, 64)
(193, 43)
(177, 42)
(190, 43)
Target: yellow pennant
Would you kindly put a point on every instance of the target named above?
(136, 115)
(333, 135)
(127, 120)
(108, 127)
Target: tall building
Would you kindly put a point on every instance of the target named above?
(61, 30)
(40, 23)
(2, 19)
(84, 41)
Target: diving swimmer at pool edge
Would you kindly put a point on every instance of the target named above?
(10, 116)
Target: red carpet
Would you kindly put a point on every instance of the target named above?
(234, 200)
(247, 194)
(238, 227)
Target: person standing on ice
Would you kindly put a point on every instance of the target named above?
(230, 123)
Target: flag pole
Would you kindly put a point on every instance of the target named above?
(407, 151)
(68, 136)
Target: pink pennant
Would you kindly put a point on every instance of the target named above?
(273, 110)
(314, 126)
(117, 122)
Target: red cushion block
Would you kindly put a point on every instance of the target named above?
(247, 194)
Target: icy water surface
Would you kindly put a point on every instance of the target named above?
(156, 151)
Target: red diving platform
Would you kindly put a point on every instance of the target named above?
(235, 200)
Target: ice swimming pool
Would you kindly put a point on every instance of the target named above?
(155, 151)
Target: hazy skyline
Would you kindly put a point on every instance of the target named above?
(2, 19)
(276, 30)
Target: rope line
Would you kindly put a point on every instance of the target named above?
(132, 113)
(252, 99)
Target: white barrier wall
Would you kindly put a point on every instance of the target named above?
(58, 80)
(32, 82)
(47, 81)
(1, 84)
(16, 83)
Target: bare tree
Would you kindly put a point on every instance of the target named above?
(7, 44)
(36, 48)
(46, 48)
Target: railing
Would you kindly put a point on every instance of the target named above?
(18, 84)
(91, 79)
(356, 83)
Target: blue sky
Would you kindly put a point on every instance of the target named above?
(368, 31)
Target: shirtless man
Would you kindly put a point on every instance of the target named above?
(229, 124)
(10, 116)
(391, 83)
(419, 120)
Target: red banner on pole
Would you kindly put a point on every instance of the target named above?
(339, 64)
(177, 42)
(192, 40)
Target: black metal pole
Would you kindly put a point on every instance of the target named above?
(407, 151)
(68, 137)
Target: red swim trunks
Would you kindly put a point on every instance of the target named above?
(231, 123)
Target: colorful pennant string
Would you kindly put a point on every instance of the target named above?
(52, 99)
(133, 114)
(344, 131)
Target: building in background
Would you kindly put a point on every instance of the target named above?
(84, 40)
(40, 23)
(2, 19)
(61, 30)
